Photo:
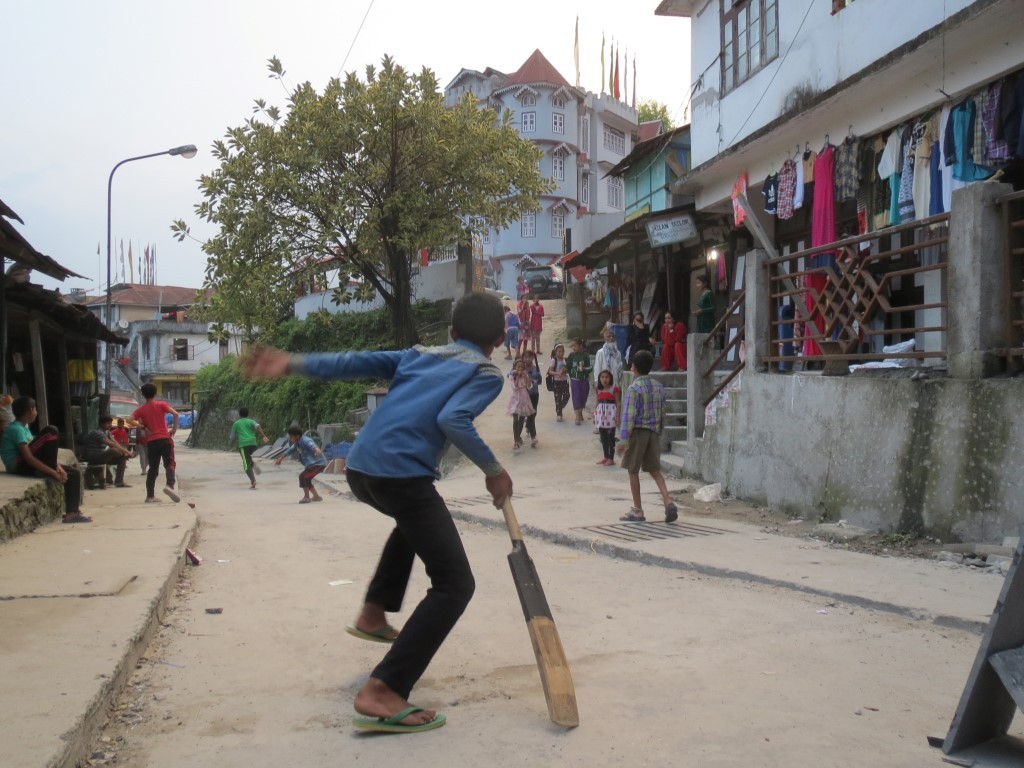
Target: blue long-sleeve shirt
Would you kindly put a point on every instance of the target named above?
(435, 394)
(306, 449)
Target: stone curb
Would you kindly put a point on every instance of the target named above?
(638, 556)
(78, 739)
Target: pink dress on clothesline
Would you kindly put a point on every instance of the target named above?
(823, 231)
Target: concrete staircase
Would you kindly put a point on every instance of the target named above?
(675, 407)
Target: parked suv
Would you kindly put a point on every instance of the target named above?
(546, 281)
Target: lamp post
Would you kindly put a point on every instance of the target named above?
(187, 151)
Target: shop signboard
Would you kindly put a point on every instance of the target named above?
(671, 229)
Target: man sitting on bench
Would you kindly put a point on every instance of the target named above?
(102, 448)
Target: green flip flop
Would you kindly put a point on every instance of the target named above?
(393, 724)
(385, 634)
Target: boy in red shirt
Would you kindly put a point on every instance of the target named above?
(159, 445)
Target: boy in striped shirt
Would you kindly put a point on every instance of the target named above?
(643, 408)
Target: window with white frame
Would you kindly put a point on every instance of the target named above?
(529, 100)
(614, 140)
(557, 122)
(558, 225)
(529, 122)
(585, 134)
(558, 102)
(558, 168)
(615, 196)
(528, 225)
(585, 189)
(750, 39)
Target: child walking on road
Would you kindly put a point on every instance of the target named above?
(536, 324)
(244, 432)
(533, 373)
(435, 394)
(159, 441)
(606, 415)
(579, 378)
(313, 463)
(559, 372)
(643, 408)
(519, 405)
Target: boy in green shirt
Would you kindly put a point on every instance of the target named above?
(244, 431)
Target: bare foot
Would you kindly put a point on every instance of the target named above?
(375, 699)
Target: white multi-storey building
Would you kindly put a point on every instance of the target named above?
(582, 136)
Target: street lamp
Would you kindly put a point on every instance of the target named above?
(187, 151)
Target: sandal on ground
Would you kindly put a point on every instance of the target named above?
(78, 517)
(153, 500)
(534, 443)
(634, 516)
(393, 724)
(304, 501)
(170, 493)
(386, 634)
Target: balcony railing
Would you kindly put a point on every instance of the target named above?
(855, 295)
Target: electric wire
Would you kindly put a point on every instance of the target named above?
(345, 60)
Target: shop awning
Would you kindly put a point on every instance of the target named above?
(628, 240)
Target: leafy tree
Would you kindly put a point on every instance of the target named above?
(653, 110)
(366, 173)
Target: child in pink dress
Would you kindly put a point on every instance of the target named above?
(519, 404)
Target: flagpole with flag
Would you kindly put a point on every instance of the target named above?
(131, 265)
(152, 255)
(99, 263)
(625, 89)
(129, 248)
(602, 61)
(615, 90)
(611, 69)
(576, 51)
(634, 81)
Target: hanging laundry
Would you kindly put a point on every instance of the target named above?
(770, 190)
(739, 188)
(960, 132)
(996, 149)
(787, 189)
(921, 183)
(798, 190)
(847, 169)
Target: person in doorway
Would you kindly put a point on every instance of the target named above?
(638, 336)
(159, 442)
(101, 448)
(705, 306)
(435, 395)
(579, 378)
(30, 456)
(244, 432)
(673, 344)
(313, 462)
(643, 408)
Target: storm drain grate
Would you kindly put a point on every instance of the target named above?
(476, 501)
(651, 531)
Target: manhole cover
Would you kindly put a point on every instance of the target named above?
(651, 531)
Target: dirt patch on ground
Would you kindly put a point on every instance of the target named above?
(778, 523)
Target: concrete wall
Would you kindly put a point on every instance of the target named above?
(27, 503)
(938, 455)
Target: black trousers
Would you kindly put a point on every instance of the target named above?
(608, 442)
(423, 528)
(247, 451)
(159, 450)
(530, 422)
(561, 395)
(109, 456)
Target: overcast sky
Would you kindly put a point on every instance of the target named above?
(91, 83)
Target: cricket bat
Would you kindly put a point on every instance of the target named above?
(555, 677)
